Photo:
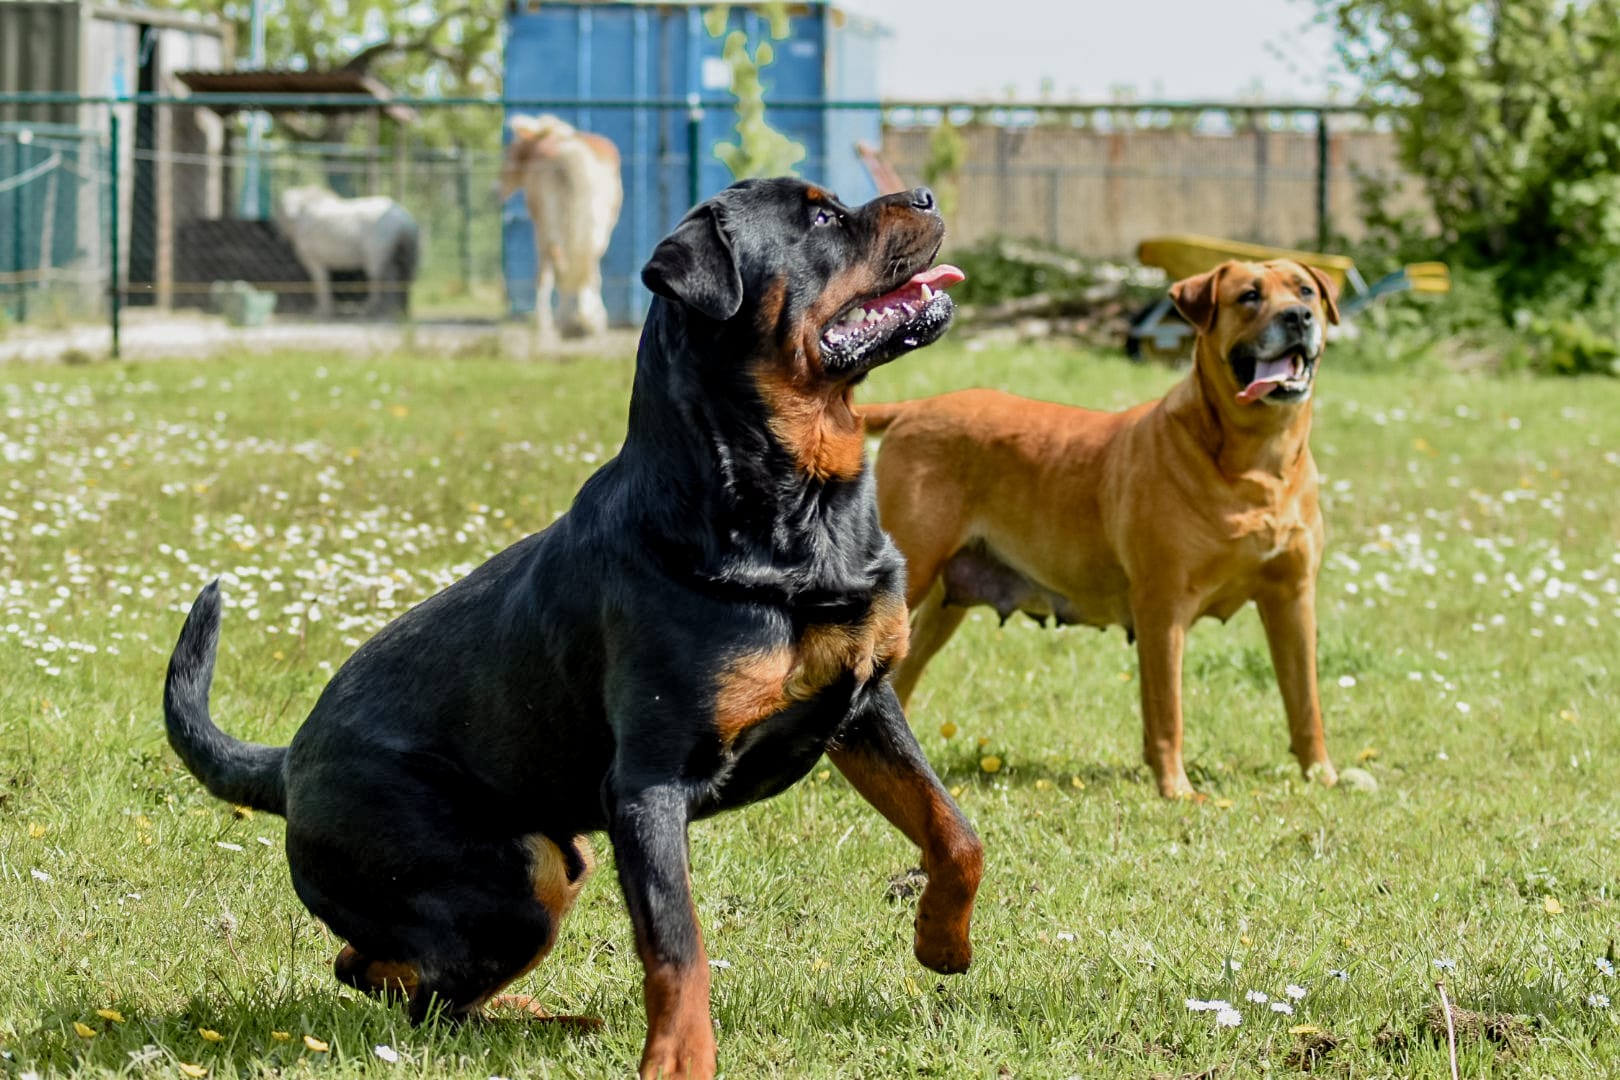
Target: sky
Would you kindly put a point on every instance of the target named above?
(1160, 49)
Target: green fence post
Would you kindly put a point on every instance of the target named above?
(1323, 225)
(464, 193)
(17, 252)
(694, 146)
(112, 184)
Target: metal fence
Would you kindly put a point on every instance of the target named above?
(164, 203)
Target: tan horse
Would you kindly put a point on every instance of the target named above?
(572, 188)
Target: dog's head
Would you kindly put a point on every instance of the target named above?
(1261, 327)
(781, 282)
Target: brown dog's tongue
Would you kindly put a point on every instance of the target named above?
(1268, 375)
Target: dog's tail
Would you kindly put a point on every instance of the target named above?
(244, 773)
(879, 417)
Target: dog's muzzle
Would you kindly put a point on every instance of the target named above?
(1278, 366)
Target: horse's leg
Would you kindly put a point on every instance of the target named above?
(322, 280)
(544, 326)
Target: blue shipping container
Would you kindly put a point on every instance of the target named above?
(631, 52)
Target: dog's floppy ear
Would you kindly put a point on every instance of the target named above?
(696, 266)
(1198, 297)
(1329, 291)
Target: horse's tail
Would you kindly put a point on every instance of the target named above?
(240, 772)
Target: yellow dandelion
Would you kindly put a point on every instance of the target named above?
(210, 1035)
(947, 730)
(85, 1030)
(1043, 784)
(1223, 804)
(1304, 1029)
(1367, 754)
(1245, 939)
(823, 776)
(241, 813)
(990, 763)
(399, 412)
(1553, 906)
(196, 1072)
(281, 1036)
(1077, 783)
(956, 792)
(315, 1044)
(819, 964)
(111, 1014)
(36, 831)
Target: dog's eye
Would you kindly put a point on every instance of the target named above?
(824, 216)
(1252, 296)
(1306, 292)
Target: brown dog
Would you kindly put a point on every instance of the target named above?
(1188, 506)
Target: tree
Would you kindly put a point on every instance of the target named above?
(414, 49)
(760, 150)
(1509, 112)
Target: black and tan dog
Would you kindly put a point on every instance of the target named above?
(1150, 519)
(717, 609)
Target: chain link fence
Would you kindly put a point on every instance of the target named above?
(158, 208)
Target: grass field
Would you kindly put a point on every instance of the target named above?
(1470, 610)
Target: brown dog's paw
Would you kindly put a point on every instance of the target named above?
(1322, 772)
(527, 1004)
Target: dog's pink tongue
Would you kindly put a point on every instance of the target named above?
(942, 276)
(1268, 375)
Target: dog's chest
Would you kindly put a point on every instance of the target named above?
(760, 683)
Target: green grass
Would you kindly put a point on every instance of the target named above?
(1469, 637)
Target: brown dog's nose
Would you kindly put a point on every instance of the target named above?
(1298, 317)
(923, 199)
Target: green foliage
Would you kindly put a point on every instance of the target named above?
(414, 49)
(1567, 346)
(947, 153)
(1510, 114)
(760, 150)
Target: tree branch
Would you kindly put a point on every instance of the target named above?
(421, 42)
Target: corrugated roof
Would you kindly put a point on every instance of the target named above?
(329, 83)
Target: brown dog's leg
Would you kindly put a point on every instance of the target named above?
(1289, 616)
(649, 842)
(932, 624)
(1160, 637)
(881, 758)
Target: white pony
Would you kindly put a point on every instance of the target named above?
(571, 186)
(329, 232)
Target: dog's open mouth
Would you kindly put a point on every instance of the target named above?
(1286, 378)
(876, 331)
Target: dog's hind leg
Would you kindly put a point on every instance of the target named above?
(493, 921)
(932, 624)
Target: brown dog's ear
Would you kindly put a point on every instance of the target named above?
(1329, 291)
(696, 266)
(1198, 298)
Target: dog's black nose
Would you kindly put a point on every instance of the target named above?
(1298, 317)
(922, 199)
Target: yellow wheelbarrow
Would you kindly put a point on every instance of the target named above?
(1186, 255)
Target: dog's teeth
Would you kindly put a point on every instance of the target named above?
(927, 294)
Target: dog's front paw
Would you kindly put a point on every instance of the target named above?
(942, 943)
(1322, 772)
